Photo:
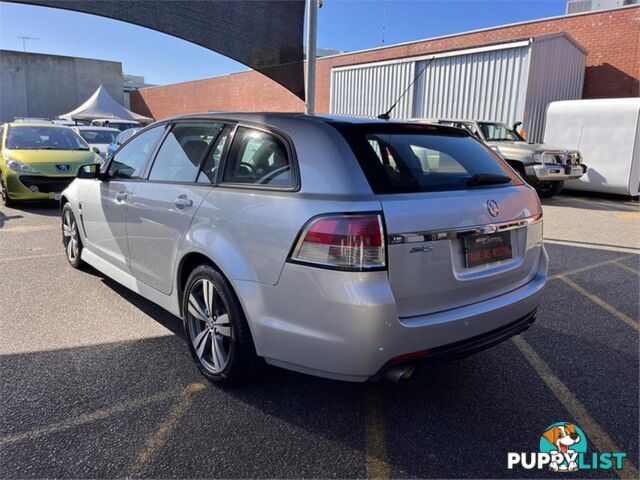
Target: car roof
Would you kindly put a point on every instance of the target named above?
(268, 118)
(114, 120)
(36, 124)
(89, 127)
(287, 121)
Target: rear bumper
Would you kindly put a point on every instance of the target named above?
(546, 172)
(345, 326)
(465, 348)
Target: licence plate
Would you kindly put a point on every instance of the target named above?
(58, 196)
(482, 249)
(576, 171)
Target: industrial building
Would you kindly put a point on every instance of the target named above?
(606, 42)
(507, 82)
(45, 86)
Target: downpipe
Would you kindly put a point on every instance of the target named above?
(398, 374)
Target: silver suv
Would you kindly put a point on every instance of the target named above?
(545, 167)
(349, 249)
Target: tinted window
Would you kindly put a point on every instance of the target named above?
(47, 138)
(128, 162)
(212, 162)
(259, 158)
(179, 157)
(402, 160)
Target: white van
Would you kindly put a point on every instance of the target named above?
(607, 134)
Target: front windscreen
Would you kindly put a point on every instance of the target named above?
(406, 160)
(496, 132)
(98, 136)
(122, 126)
(41, 138)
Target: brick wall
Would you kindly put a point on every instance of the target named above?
(612, 39)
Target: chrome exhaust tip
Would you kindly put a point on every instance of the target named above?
(397, 374)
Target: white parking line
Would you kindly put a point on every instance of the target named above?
(29, 257)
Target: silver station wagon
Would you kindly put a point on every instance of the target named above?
(345, 248)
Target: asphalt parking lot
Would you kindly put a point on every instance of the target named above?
(97, 382)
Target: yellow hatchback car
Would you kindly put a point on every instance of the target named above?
(39, 160)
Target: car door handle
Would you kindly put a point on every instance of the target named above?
(182, 202)
(121, 196)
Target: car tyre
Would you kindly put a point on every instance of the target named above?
(216, 329)
(6, 201)
(548, 189)
(71, 237)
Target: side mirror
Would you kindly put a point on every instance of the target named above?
(95, 150)
(92, 170)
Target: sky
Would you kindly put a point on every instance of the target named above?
(342, 24)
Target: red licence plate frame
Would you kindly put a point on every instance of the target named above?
(483, 249)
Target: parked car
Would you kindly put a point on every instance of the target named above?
(545, 168)
(98, 137)
(349, 249)
(118, 123)
(121, 139)
(71, 123)
(30, 120)
(39, 160)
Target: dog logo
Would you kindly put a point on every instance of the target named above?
(63, 167)
(563, 441)
(563, 448)
(492, 207)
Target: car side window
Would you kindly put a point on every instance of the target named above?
(179, 157)
(258, 158)
(212, 162)
(129, 160)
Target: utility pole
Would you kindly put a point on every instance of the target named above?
(24, 41)
(312, 39)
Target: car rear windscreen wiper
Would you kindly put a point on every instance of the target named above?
(487, 179)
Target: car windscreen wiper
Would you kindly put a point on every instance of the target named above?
(487, 179)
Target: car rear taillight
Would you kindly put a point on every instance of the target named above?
(345, 242)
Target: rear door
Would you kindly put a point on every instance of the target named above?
(461, 225)
(161, 210)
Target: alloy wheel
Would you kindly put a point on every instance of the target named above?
(70, 236)
(209, 326)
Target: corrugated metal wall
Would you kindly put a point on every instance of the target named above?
(505, 83)
(556, 73)
(371, 90)
(487, 85)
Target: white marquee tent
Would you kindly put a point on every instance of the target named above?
(102, 105)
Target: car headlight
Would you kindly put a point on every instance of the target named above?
(17, 166)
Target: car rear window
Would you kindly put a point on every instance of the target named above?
(398, 158)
